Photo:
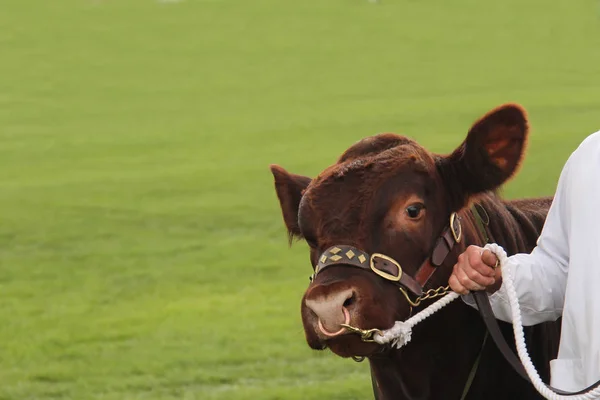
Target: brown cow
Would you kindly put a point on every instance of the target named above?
(387, 194)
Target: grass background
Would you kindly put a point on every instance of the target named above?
(142, 251)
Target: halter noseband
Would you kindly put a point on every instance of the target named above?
(390, 270)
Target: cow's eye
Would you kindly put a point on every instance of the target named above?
(414, 210)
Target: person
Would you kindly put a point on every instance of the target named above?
(560, 277)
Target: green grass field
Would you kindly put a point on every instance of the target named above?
(142, 250)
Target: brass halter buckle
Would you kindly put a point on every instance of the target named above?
(384, 274)
(456, 231)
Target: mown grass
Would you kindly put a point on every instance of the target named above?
(142, 251)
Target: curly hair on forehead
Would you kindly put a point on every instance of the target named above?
(374, 144)
(380, 155)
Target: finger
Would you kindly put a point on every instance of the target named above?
(466, 281)
(456, 286)
(475, 259)
(477, 271)
(489, 258)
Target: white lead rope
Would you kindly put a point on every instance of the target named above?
(400, 333)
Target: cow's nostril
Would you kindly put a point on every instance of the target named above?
(330, 309)
(349, 301)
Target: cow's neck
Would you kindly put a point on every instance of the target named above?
(436, 363)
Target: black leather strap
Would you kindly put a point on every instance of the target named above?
(485, 309)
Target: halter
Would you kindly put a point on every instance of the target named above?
(391, 270)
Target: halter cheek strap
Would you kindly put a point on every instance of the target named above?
(443, 246)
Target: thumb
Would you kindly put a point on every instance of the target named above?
(489, 258)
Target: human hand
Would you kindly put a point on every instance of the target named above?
(476, 269)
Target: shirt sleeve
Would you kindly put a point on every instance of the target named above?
(540, 277)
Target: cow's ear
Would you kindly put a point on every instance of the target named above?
(289, 188)
(490, 155)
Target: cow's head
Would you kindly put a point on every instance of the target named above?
(387, 194)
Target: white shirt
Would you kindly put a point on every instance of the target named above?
(562, 274)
